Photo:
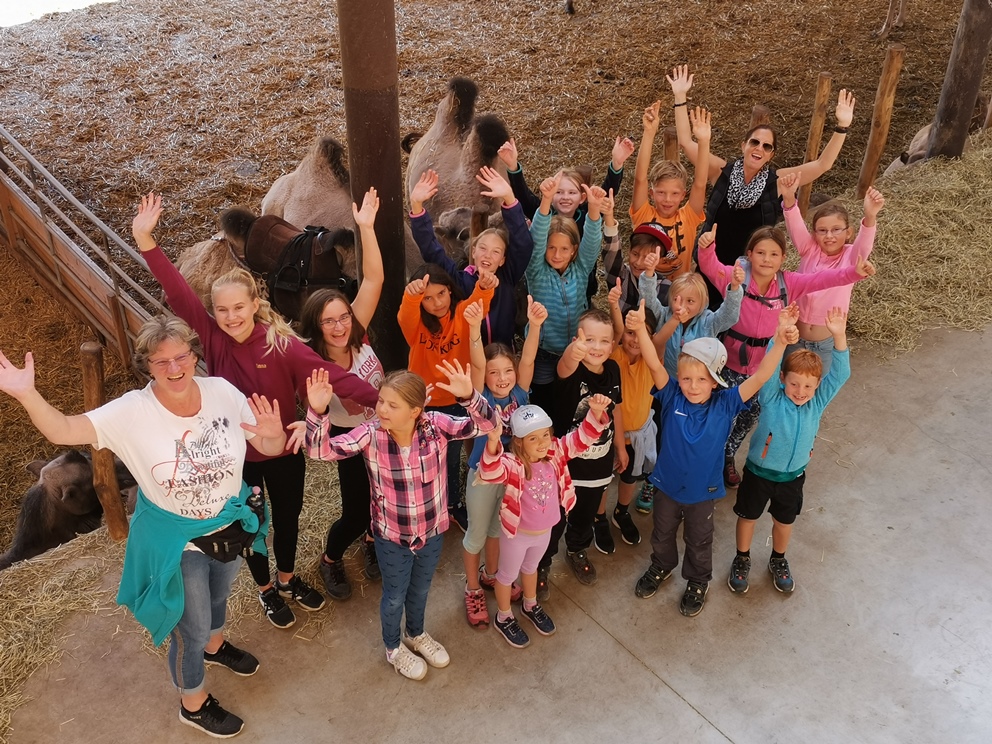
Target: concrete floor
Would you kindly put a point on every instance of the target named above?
(886, 639)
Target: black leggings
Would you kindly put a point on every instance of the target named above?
(353, 478)
(282, 479)
(577, 526)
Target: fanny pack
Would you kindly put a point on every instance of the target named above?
(227, 544)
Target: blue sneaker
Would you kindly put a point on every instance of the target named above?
(645, 499)
(779, 568)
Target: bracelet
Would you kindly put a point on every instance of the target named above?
(676, 105)
(475, 340)
(841, 130)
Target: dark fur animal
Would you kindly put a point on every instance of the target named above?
(61, 505)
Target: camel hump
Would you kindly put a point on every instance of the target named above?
(237, 221)
(410, 140)
(330, 151)
(492, 134)
(463, 94)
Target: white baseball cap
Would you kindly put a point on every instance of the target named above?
(711, 352)
(528, 419)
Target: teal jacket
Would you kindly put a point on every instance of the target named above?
(152, 582)
(782, 442)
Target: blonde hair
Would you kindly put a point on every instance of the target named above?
(668, 169)
(691, 282)
(565, 226)
(409, 386)
(277, 330)
(488, 231)
(155, 331)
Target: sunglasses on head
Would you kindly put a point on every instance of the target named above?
(766, 146)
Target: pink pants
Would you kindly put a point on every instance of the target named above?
(520, 555)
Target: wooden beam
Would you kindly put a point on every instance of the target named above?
(881, 117)
(816, 122)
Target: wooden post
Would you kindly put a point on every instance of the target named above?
(962, 80)
(760, 115)
(819, 118)
(367, 37)
(881, 117)
(104, 474)
(671, 140)
(478, 222)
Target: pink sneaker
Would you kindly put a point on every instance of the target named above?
(489, 582)
(476, 610)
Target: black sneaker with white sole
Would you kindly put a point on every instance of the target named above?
(302, 593)
(212, 719)
(536, 614)
(237, 660)
(693, 598)
(628, 530)
(647, 585)
(602, 537)
(512, 632)
(276, 609)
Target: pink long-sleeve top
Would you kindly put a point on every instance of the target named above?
(759, 318)
(813, 307)
(248, 365)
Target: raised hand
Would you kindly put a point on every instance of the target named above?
(635, 317)
(297, 436)
(319, 391)
(536, 313)
(681, 82)
(474, 314)
(145, 220)
(651, 261)
(495, 434)
(418, 286)
(609, 205)
(459, 381)
(17, 382)
(424, 189)
(788, 315)
(651, 120)
(487, 279)
(874, 201)
(579, 348)
(365, 217)
(623, 148)
(549, 187)
(508, 154)
(680, 311)
(865, 267)
(836, 321)
(787, 187)
(595, 197)
(268, 422)
(614, 295)
(495, 186)
(790, 334)
(738, 275)
(708, 238)
(845, 108)
(598, 404)
(700, 120)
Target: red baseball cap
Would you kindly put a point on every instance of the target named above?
(657, 232)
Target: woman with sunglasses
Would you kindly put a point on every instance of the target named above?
(336, 330)
(745, 192)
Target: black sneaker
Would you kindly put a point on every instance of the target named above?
(536, 614)
(512, 632)
(212, 719)
(371, 561)
(237, 660)
(739, 570)
(585, 572)
(693, 598)
(779, 568)
(628, 530)
(302, 593)
(459, 515)
(602, 538)
(276, 609)
(335, 579)
(648, 584)
(543, 585)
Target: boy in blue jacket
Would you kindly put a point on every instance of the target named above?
(781, 446)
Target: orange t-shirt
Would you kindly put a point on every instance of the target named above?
(681, 229)
(635, 387)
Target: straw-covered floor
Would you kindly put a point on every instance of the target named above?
(209, 103)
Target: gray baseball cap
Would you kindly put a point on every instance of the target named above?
(712, 353)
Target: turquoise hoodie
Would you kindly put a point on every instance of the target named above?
(152, 582)
(782, 442)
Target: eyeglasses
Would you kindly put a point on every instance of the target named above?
(832, 231)
(162, 365)
(343, 321)
(766, 146)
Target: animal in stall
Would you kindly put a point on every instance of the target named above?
(981, 118)
(62, 504)
(894, 18)
(291, 263)
(456, 146)
(318, 192)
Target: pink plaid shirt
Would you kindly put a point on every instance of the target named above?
(409, 494)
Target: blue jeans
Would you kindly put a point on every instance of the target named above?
(406, 580)
(823, 349)
(206, 587)
(454, 448)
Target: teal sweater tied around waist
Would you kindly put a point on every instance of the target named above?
(152, 582)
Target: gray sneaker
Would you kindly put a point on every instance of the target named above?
(335, 579)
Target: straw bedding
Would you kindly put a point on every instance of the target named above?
(209, 103)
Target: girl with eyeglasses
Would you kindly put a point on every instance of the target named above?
(829, 246)
(251, 346)
(744, 195)
(336, 330)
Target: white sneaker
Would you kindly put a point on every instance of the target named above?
(432, 651)
(407, 663)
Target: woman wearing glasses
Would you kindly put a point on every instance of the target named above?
(336, 330)
(745, 193)
(252, 347)
(185, 440)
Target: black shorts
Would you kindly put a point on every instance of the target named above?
(626, 476)
(754, 493)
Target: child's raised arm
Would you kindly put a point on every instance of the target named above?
(650, 122)
(647, 283)
(549, 187)
(613, 299)
(837, 325)
(612, 259)
(573, 355)
(635, 322)
(701, 129)
(515, 174)
(786, 334)
(477, 355)
(424, 189)
(536, 315)
(719, 274)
